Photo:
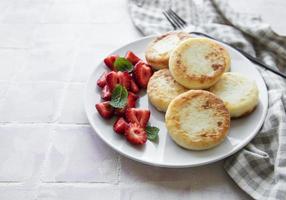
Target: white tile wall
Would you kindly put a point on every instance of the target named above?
(12, 61)
(181, 190)
(25, 12)
(73, 107)
(17, 192)
(68, 12)
(87, 58)
(66, 34)
(51, 62)
(4, 85)
(16, 35)
(31, 102)
(78, 155)
(192, 181)
(22, 152)
(71, 192)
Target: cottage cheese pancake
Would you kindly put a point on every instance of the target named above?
(198, 63)
(197, 120)
(239, 93)
(158, 51)
(162, 89)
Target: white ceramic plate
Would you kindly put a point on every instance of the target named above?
(166, 153)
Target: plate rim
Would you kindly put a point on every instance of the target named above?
(235, 150)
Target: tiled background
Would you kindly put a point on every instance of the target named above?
(47, 149)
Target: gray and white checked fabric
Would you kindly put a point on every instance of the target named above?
(259, 168)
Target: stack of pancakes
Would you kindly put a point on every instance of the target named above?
(195, 89)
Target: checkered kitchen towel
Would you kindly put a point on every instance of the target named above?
(259, 168)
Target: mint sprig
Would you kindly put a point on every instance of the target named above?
(122, 64)
(152, 133)
(119, 97)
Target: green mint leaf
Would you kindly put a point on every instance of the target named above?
(152, 133)
(119, 97)
(122, 64)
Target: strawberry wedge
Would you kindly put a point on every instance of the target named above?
(137, 116)
(120, 125)
(109, 61)
(101, 82)
(106, 93)
(131, 57)
(105, 109)
(134, 87)
(142, 73)
(113, 78)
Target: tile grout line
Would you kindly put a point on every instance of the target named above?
(119, 170)
(63, 23)
(58, 111)
(42, 123)
(32, 181)
(13, 77)
(36, 180)
(77, 184)
(51, 81)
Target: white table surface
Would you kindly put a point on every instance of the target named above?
(47, 149)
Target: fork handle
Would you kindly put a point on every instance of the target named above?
(258, 62)
(247, 55)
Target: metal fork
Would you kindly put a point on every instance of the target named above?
(178, 23)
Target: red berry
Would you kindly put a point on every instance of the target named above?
(134, 87)
(101, 82)
(135, 134)
(131, 57)
(138, 116)
(120, 125)
(109, 61)
(113, 78)
(142, 73)
(124, 79)
(105, 93)
(131, 100)
(105, 109)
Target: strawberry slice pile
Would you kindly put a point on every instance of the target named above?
(119, 89)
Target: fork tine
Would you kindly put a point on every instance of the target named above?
(178, 17)
(175, 26)
(181, 26)
(174, 20)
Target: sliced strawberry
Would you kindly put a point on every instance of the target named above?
(120, 125)
(134, 87)
(101, 82)
(131, 103)
(131, 57)
(124, 79)
(105, 109)
(111, 80)
(109, 61)
(131, 100)
(142, 73)
(138, 116)
(105, 93)
(114, 78)
(135, 134)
